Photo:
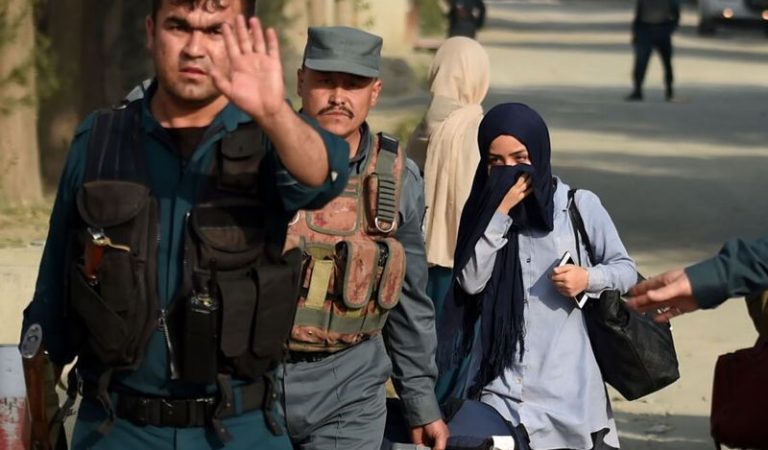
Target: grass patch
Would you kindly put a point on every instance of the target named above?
(21, 225)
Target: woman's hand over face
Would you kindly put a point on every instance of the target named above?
(516, 194)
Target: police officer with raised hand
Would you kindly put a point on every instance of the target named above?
(164, 270)
(363, 313)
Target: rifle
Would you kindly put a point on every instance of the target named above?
(45, 417)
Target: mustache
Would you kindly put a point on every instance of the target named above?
(341, 109)
(195, 63)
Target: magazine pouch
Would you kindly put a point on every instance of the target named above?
(108, 283)
(248, 290)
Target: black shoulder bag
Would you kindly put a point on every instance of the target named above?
(636, 355)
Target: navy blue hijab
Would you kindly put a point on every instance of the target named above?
(499, 306)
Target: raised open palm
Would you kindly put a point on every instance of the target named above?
(255, 82)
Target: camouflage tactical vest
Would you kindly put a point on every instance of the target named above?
(353, 269)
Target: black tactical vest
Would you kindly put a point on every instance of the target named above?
(234, 309)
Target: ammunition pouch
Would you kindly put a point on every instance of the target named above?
(346, 293)
(381, 187)
(353, 270)
(234, 314)
(108, 280)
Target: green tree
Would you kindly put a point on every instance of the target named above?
(19, 160)
(431, 13)
(99, 52)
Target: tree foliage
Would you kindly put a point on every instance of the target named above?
(10, 24)
(271, 12)
(431, 18)
(41, 61)
(19, 161)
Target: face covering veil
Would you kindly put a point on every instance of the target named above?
(499, 306)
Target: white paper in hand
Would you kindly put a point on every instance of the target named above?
(581, 298)
(503, 442)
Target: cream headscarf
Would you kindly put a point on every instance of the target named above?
(445, 142)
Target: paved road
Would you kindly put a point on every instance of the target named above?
(678, 178)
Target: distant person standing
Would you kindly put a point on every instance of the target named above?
(465, 17)
(655, 21)
(444, 145)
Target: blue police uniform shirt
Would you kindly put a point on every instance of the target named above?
(175, 186)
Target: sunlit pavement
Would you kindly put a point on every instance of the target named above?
(678, 178)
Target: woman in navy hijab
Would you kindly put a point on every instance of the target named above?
(511, 333)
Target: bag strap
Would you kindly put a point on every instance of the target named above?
(580, 230)
(578, 227)
(114, 145)
(386, 202)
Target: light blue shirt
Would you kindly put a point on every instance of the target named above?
(557, 390)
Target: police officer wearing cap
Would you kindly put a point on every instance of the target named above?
(164, 270)
(363, 314)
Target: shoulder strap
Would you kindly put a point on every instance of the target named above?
(387, 198)
(578, 227)
(114, 145)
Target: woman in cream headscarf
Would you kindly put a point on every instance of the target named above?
(444, 145)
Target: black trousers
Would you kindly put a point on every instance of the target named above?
(647, 38)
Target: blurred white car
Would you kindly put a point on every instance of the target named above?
(713, 12)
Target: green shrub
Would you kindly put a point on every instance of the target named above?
(432, 21)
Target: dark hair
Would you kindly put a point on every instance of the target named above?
(248, 6)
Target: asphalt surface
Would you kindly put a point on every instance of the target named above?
(678, 178)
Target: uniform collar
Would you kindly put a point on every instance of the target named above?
(228, 118)
(366, 142)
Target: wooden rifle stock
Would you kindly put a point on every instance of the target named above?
(42, 402)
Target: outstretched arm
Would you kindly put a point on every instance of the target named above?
(255, 84)
(740, 268)
(670, 292)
